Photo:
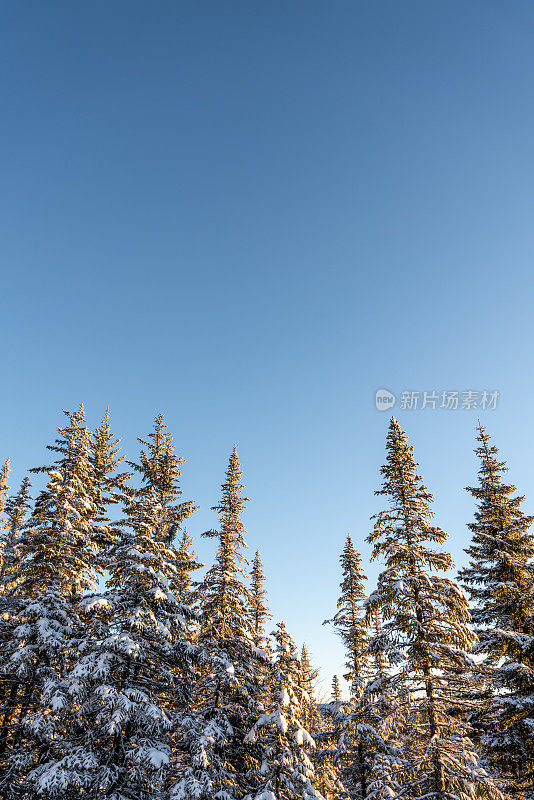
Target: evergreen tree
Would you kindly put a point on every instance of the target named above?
(336, 690)
(127, 693)
(186, 563)
(500, 581)
(259, 610)
(286, 771)
(109, 486)
(217, 761)
(41, 620)
(425, 635)
(226, 599)
(321, 720)
(61, 551)
(160, 471)
(351, 626)
(4, 489)
(378, 713)
(16, 508)
(307, 678)
(349, 621)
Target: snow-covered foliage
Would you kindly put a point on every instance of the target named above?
(500, 582)
(425, 637)
(123, 697)
(124, 676)
(286, 771)
(217, 758)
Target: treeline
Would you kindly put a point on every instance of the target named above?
(165, 686)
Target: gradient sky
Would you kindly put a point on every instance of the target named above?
(251, 215)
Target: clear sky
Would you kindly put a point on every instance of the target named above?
(252, 215)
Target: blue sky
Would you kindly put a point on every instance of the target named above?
(253, 215)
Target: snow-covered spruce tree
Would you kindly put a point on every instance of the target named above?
(12, 572)
(4, 489)
(258, 596)
(354, 750)
(286, 771)
(16, 509)
(186, 564)
(349, 622)
(307, 678)
(425, 635)
(382, 706)
(109, 485)
(41, 620)
(336, 690)
(62, 521)
(125, 696)
(259, 614)
(319, 725)
(217, 761)
(500, 581)
(160, 471)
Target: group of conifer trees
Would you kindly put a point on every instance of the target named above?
(125, 675)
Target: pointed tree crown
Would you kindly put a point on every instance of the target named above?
(226, 598)
(259, 610)
(350, 620)
(58, 544)
(500, 574)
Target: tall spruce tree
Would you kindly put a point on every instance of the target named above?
(160, 471)
(317, 720)
(500, 582)
(351, 626)
(258, 606)
(286, 771)
(125, 696)
(108, 484)
(336, 689)
(61, 551)
(41, 621)
(4, 489)
(11, 571)
(308, 675)
(186, 564)
(217, 761)
(350, 620)
(16, 508)
(425, 635)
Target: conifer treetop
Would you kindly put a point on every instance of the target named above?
(500, 580)
(425, 636)
(160, 471)
(4, 477)
(58, 543)
(336, 690)
(350, 620)
(16, 508)
(4, 489)
(500, 574)
(227, 600)
(400, 532)
(105, 459)
(186, 563)
(259, 610)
